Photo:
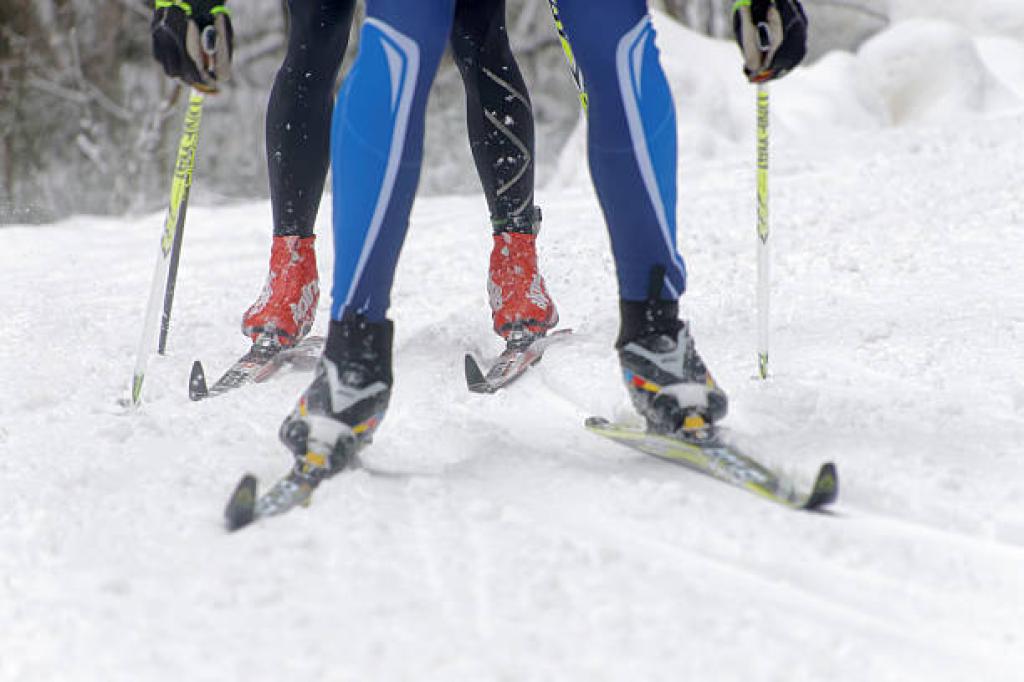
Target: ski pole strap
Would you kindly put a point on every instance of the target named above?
(186, 7)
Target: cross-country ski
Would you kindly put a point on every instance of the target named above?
(711, 454)
(258, 364)
(511, 364)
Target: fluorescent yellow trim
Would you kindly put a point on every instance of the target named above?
(763, 125)
(316, 459)
(693, 422)
(183, 167)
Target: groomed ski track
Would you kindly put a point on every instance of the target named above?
(511, 544)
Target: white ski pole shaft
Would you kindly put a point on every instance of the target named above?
(161, 290)
(763, 229)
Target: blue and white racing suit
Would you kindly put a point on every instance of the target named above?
(377, 143)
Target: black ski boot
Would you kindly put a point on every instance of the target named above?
(339, 412)
(666, 378)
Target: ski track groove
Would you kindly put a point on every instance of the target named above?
(793, 590)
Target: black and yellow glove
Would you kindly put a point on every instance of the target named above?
(772, 34)
(193, 40)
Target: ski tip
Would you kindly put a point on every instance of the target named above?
(475, 379)
(826, 487)
(241, 509)
(197, 389)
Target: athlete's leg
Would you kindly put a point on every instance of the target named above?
(298, 134)
(299, 111)
(377, 147)
(631, 138)
(499, 118)
(499, 115)
(632, 144)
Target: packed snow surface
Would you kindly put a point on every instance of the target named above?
(509, 543)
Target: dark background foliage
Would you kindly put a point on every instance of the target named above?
(89, 123)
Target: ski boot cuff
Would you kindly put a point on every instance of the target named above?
(294, 242)
(527, 222)
(286, 306)
(639, 319)
(356, 340)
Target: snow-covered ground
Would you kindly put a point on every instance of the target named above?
(512, 544)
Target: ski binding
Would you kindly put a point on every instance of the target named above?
(262, 361)
(520, 354)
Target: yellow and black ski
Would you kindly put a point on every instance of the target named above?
(708, 453)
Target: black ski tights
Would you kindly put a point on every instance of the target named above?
(498, 112)
(299, 112)
(499, 116)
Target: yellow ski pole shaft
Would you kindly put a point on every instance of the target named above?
(763, 230)
(574, 69)
(161, 293)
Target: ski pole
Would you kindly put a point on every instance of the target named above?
(763, 252)
(574, 69)
(179, 233)
(166, 271)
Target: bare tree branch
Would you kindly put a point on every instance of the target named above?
(76, 97)
(855, 7)
(258, 48)
(141, 9)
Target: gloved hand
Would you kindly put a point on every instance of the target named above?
(193, 39)
(772, 35)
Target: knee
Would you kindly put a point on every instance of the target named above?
(479, 27)
(420, 47)
(319, 28)
(598, 45)
(614, 59)
(405, 59)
